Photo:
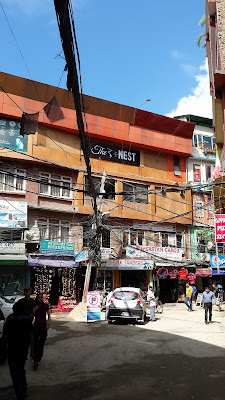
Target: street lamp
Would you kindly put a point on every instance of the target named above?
(143, 103)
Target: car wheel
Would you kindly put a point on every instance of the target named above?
(109, 321)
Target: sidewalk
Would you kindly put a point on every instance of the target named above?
(177, 320)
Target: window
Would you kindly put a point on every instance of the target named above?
(199, 206)
(164, 240)
(135, 193)
(210, 207)
(55, 185)
(207, 142)
(106, 242)
(109, 187)
(14, 235)
(176, 165)
(208, 172)
(179, 241)
(53, 229)
(13, 180)
(197, 172)
(195, 140)
(133, 238)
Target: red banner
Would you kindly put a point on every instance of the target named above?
(220, 228)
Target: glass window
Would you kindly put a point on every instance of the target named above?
(106, 238)
(109, 187)
(176, 165)
(213, 143)
(164, 240)
(125, 238)
(135, 193)
(55, 185)
(140, 238)
(199, 206)
(207, 142)
(195, 140)
(208, 172)
(13, 180)
(179, 241)
(133, 238)
(52, 229)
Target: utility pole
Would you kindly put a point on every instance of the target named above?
(96, 237)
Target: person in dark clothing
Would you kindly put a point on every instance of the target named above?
(41, 327)
(28, 303)
(19, 333)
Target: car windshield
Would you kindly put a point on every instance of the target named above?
(6, 300)
(125, 295)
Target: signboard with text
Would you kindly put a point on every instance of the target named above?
(10, 135)
(12, 248)
(220, 228)
(54, 247)
(93, 306)
(126, 264)
(114, 153)
(166, 253)
(13, 214)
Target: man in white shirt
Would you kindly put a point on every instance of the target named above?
(151, 300)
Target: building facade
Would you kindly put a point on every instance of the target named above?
(149, 204)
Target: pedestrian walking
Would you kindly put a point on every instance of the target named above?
(188, 298)
(151, 300)
(28, 303)
(207, 297)
(41, 327)
(19, 334)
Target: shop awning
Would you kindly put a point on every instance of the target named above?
(40, 260)
(13, 259)
(203, 272)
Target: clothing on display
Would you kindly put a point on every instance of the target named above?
(162, 273)
(192, 278)
(173, 273)
(183, 273)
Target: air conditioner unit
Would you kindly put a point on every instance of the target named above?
(32, 235)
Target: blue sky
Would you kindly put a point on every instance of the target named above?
(130, 50)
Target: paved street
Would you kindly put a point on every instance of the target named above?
(178, 356)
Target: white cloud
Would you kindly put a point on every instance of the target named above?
(199, 101)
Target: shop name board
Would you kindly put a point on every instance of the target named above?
(83, 255)
(13, 214)
(220, 228)
(12, 248)
(10, 135)
(60, 261)
(48, 246)
(127, 264)
(156, 227)
(165, 253)
(114, 153)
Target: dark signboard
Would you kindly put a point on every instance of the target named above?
(113, 153)
(10, 135)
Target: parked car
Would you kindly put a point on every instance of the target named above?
(6, 308)
(126, 303)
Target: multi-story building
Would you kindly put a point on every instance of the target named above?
(144, 156)
(215, 44)
(200, 170)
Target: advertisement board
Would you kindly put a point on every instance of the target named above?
(12, 248)
(13, 214)
(93, 306)
(126, 264)
(66, 304)
(54, 247)
(165, 253)
(220, 228)
(10, 135)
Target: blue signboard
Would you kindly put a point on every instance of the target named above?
(10, 135)
(218, 265)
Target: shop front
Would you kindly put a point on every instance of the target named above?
(14, 270)
(125, 272)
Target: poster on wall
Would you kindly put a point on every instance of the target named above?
(93, 306)
(10, 135)
(13, 214)
(220, 228)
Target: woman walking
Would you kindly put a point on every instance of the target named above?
(41, 327)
